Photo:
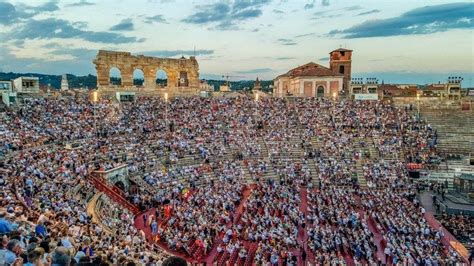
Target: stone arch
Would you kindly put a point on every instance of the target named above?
(138, 77)
(120, 185)
(320, 91)
(121, 179)
(115, 75)
(161, 78)
(114, 175)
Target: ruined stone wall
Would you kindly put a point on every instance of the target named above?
(127, 63)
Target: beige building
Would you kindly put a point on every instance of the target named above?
(224, 88)
(204, 86)
(310, 80)
(361, 86)
(314, 80)
(5, 85)
(450, 89)
(26, 85)
(8, 96)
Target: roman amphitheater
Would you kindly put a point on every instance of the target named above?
(320, 169)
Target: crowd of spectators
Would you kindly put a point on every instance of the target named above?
(460, 225)
(273, 220)
(336, 227)
(409, 237)
(204, 147)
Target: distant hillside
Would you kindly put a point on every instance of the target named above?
(54, 81)
(90, 81)
(241, 84)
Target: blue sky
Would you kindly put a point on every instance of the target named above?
(404, 41)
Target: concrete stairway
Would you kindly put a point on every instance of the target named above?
(360, 174)
(447, 175)
(271, 173)
(316, 143)
(454, 127)
(374, 154)
(314, 172)
(263, 147)
(137, 179)
(296, 150)
(189, 159)
(206, 178)
(247, 176)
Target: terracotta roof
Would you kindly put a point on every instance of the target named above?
(341, 50)
(435, 87)
(311, 70)
(388, 87)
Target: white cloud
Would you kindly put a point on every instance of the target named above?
(241, 49)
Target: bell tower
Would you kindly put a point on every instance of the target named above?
(340, 62)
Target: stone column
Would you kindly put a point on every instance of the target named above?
(102, 75)
(172, 78)
(150, 77)
(127, 75)
(193, 79)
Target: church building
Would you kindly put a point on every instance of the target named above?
(314, 80)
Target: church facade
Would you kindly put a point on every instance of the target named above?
(314, 80)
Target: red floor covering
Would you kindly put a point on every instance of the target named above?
(302, 234)
(378, 238)
(209, 258)
(238, 213)
(310, 256)
(139, 224)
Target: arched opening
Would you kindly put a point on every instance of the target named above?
(115, 76)
(183, 79)
(161, 78)
(341, 69)
(120, 185)
(138, 77)
(320, 92)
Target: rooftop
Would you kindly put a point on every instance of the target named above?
(311, 69)
(341, 50)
